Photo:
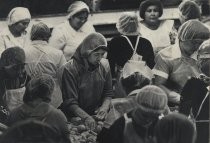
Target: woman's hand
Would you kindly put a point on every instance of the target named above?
(90, 123)
(101, 113)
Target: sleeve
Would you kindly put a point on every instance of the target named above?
(57, 40)
(161, 67)
(148, 54)
(107, 91)
(69, 89)
(2, 45)
(114, 134)
(111, 57)
(62, 60)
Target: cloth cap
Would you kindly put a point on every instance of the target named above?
(128, 23)
(77, 7)
(40, 31)
(92, 42)
(192, 30)
(145, 4)
(152, 100)
(17, 14)
(190, 10)
(12, 56)
(40, 86)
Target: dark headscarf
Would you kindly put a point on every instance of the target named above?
(12, 56)
(175, 128)
(145, 4)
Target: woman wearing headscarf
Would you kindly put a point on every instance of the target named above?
(195, 95)
(87, 82)
(36, 106)
(15, 34)
(13, 77)
(42, 58)
(68, 35)
(175, 128)
(189, 10)
(161, 33)
(138, 125)
(175, 65)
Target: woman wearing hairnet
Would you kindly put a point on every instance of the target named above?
(13, 78)
(196, 95)
(128, 27)
(138, 125)
(15, 34)
(189, 10)
(126, 43)
(161, 33)
(175, 128)
(174, 65)
(42, 58)
(68, 35)
(36, 105)
(87, 82)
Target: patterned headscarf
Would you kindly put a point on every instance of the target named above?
(40, 31)
(17, 14)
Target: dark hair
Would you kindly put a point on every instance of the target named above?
(145, 4)
(13, 55)
(134, 81)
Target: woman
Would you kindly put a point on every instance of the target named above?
(195, 95)
(13, 77)
(174, 65)
(138, 126)
(68, 35)
(121, 48)
(15, 34)
(36, 105)
(42, 58)
(125, 44)
(175, 128)
(161, 33)
(189, 10)
(87, 82)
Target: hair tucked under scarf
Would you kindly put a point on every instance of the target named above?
(193, 29)
(17, 14)
(40, 31)
(77, 7)
(128, 23)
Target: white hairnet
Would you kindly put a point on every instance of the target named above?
(17, 14)
(76, 7)
(128, 23)
(193, 29)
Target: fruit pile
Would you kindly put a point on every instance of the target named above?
(79, 133)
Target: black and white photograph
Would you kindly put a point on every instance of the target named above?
(104, 71)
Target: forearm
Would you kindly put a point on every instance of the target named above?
(77, 111)
(106, 103)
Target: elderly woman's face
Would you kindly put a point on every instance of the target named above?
(190, 46)
(21, 25)
(95, 57)
(152, 14)
(78, 20)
